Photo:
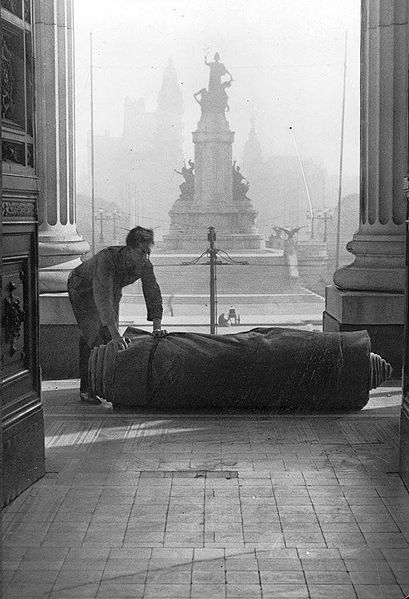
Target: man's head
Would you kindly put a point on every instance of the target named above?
(141, 238)
(217, 57)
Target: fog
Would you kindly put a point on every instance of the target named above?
(286, 58)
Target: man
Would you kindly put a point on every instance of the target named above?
(95, 290)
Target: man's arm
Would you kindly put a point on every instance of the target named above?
(103, 292)
(153, 297)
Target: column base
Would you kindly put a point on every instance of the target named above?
(53, 279)
(59, 338)
(60, 252)
(380, 313)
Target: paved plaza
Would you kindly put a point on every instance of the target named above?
(257, 507)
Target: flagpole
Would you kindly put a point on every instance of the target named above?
(305, 182)
(341, 157)
(92, 151)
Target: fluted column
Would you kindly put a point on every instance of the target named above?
(379, 244)
(59, 243)
(369, 293)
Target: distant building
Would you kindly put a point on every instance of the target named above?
(135, 170)
(278, 190)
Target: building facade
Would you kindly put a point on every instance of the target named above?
(135, 170)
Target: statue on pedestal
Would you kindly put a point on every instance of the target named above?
(188, 186)
(217, 71)
(214, 99)
(240, 184)
(290, 251)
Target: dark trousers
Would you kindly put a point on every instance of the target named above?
(103, 337)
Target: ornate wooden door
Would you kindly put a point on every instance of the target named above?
(21, 408)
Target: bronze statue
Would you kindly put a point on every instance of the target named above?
(187, 187)
(240, 184)
(214, 99)
(217, 71)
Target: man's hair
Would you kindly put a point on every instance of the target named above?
(139, 235)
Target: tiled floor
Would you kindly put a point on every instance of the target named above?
(212, 507)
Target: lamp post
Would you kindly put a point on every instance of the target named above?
(116, 215)
(100, 218)
(211, 236)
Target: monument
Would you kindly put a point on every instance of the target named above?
(214, 193)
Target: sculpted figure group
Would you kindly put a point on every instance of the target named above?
(214, 99)
(187, 188)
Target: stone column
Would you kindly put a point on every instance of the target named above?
(369, 293)
(59, 243)
(60, 246)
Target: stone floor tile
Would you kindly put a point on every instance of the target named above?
(211, 576)
(277, 552)
(245, 577)
(279, 564)
(64, 539)
(340, 527)
(243, 591)
(334, 577)
(402, 576)
(169, 576)
(385, 539)
(23, 576)
(285, 591)
(24, 539)
(281, 577)
(373, 576)
(168, 591)
(332, 591)
(26, 590)
(241, 563)
(208, 591)
(74, 578)
(216, 563)
(370, 591)
(304, 539)
(120, 590)
(323, 565)
(314, 553)
(88, 591)
(341, 539)
(163, 564)
(131, 574)
(365, 565)
(181, 554)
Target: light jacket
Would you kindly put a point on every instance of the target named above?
(95, 288)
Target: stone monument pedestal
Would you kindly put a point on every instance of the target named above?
(212, 200)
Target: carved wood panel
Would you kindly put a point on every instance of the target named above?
(14, 314)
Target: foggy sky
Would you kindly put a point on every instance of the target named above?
(286, 58)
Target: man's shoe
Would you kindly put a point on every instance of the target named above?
(85, 396)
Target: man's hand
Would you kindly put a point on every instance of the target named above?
(159, 333)
(119, 343)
